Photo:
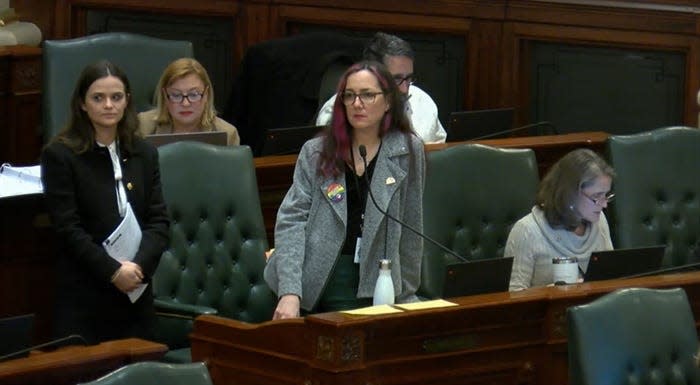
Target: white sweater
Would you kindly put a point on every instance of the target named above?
(533, 244)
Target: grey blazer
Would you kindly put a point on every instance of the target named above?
(310, 227)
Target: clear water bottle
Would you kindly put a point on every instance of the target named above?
(384, 289)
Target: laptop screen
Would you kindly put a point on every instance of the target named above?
(16, 334)
(218, 138)
(472, 125)
(477, 277)
(621, 263)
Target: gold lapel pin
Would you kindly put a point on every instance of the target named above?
(390, 180)
(129, 186)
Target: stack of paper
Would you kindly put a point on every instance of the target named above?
(20, 180)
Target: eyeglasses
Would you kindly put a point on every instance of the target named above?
(349, 97)
(409, 79)
(607, 198)
(192, 97)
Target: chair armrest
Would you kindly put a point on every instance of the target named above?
(174, 309)
(174, 322)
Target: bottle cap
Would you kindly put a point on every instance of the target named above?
(385, 264)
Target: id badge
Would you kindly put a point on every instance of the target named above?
(357, 249)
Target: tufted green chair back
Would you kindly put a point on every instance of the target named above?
(142, 58)
(214, 263)
(633, 336)
(148, 373)
(473, 196)
(657, 192)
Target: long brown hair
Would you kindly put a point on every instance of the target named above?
(79, 134)
(338, 135)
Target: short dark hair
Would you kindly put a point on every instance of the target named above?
(78, 134)
(566, 178)
(382, 45)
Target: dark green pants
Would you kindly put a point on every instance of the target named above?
(340, 292)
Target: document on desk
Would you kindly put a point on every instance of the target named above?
(436, 303)
(123, 244)
(20, 180)
(373, 310)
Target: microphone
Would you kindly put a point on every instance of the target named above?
(363, 154)
(44, 345)
(516, 129)
(672, 269)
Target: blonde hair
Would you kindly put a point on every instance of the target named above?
(175, 71)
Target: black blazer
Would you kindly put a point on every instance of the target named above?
(81, 198)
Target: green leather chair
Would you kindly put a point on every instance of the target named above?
(143, 58)
(657, 192)
(216, 257)
(473, 196)
(149, 373)
(633, 336)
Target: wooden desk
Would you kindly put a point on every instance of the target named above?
(78, 363)
(274, 173)
(503, 338)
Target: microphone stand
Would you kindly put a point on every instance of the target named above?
(363, 154)
(44, 345)
(673, 269)
(512, 130)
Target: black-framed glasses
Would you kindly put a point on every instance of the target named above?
(192, 96)
(607, 198)
(409, 79)
(349, 97)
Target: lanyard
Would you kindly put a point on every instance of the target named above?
(119, 185)
(360, 195)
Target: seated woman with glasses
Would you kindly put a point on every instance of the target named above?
(329, 235)
(567, 220)
(185, 103)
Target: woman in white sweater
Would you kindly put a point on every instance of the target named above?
(567, 220)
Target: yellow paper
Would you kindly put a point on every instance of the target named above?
(373, 310)
(426, 304)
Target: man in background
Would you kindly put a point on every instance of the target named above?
(398, 56)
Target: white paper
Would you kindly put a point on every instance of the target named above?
(123, 244)
(20, 180)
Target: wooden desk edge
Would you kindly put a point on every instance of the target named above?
(129, 350)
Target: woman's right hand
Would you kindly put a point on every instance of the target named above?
(287, 307)
(128, 277)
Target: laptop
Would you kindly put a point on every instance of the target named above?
(480, 124)
(218, 138)
(16, 334)
(283, 141)
(621, 263)
(477, 277)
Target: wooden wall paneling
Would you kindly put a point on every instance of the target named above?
(363, 19)
(35, 11)
(486, 64)
(658, 18)
(255, 26)
(20, 77)
(71, 15)
(520, 34)
(453, 8)
(692, 77)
